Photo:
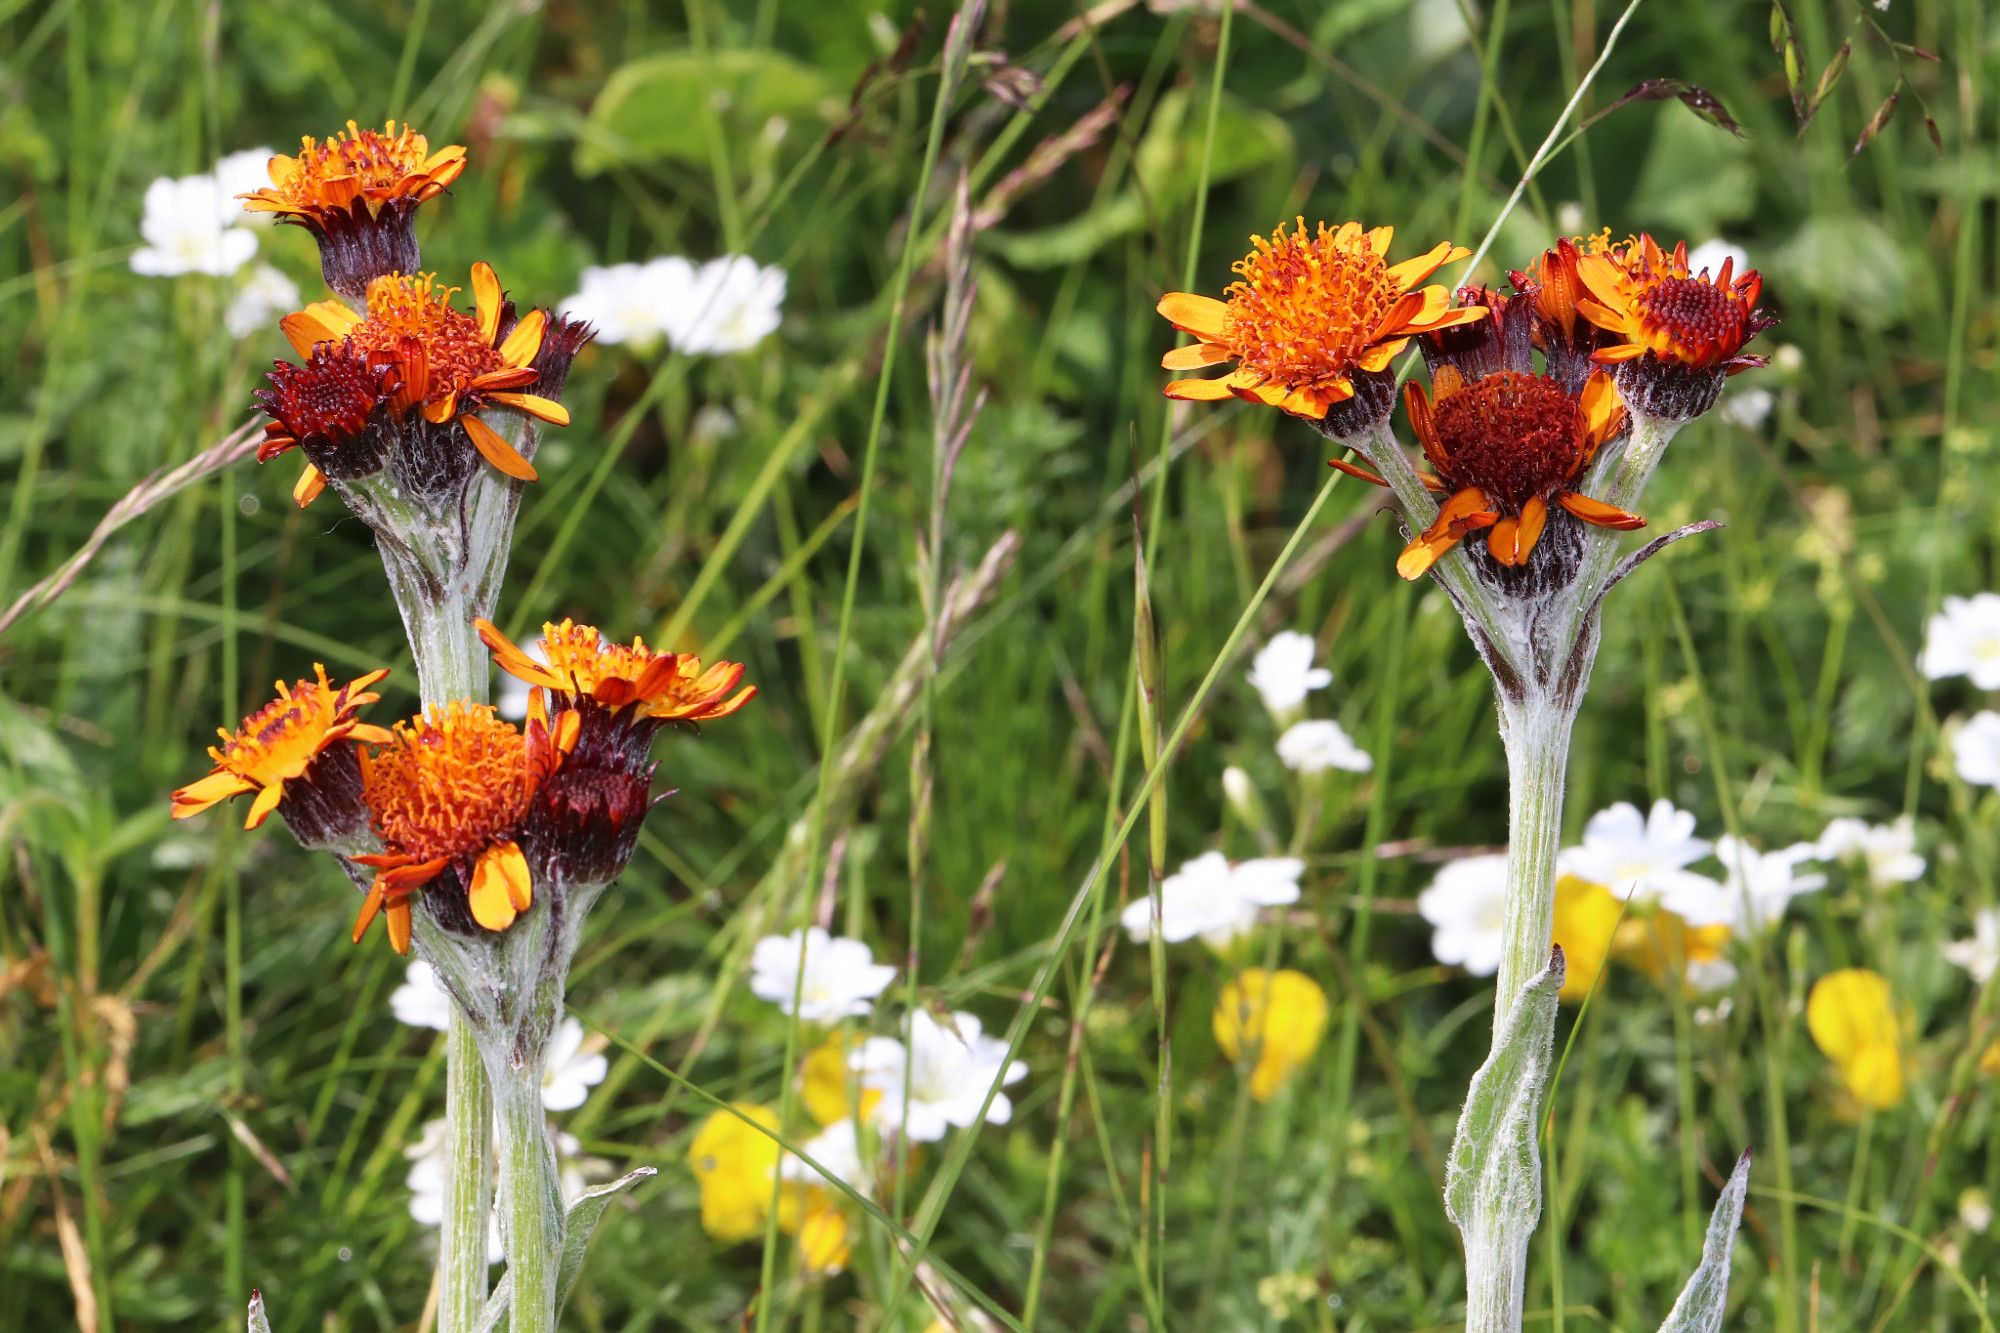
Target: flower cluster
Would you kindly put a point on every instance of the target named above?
(1213, 900)
(458, 803)
(1283, 675)
(1624, 328)
(395, 376)
(725, 305)
(1963, 640)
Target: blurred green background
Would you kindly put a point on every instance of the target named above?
(201, 1089)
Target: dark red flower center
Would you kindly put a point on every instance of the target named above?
(1516, 437)
(1693, 311)
(331, 397)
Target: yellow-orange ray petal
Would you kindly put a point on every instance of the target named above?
(496, 897)
(1466, 512)
(378, 892)
(1450, 319)
(1196, 355)
(310, 483)
(513, 377)
(441, 411)
(525, 340)
(1598, 513)
(1203, 316)
(267, 801)
(1361, 473)
(510, 659)
(1378, 357)
(1413, 271)
(1199, 391)
(486, 299)
(548, 409)
(1379, 238)
(497, 451)
(1605, 356)
(397, 922)
(197, 796)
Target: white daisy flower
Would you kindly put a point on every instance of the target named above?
(569, 1072)
(1963, 639)
(1756, 889)
(950, 1067)
(1975, 749)
(633, 303)
(265, 297)
(1639, 858)
(1889, 851)
(1979, 954)
(186, 227)
(1213, 900)
(1466, 905)
(733, 305)
(1315, 747)
(1283, 672)
(841, 977)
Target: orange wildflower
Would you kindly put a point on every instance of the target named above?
(448, 791)
(1505, 446)
(1646, 299)
(1309, 313)
(581, 663)
(448, 364)
(280, 742)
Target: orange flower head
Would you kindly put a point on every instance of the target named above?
(329, 409)
(448, 790)
(580, 663)
(310, 728)
(1648, 299)
(371, 168)
(358, 194)
(1505, 447)
(447, 363)
(1309, 313)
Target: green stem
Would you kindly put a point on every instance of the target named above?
(1536, 734)
(451, 664)
(530, 1200)
(468, 1180)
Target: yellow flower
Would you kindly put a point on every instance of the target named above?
(1586, 921)
(1855, 1023)
(828, 1088)
(1660, 944)
(1280, 1016)
(733, 1162)
(1309, 313)
(825, 1240)
(1989, 1061)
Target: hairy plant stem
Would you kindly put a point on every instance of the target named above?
(443, 576)
(1535, 731)
(530, 1199)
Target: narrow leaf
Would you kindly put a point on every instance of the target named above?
(1878, 121)
(580, 1222)
(1828, 77)
(1706, 1295)
(259, 1321)
(1495, 1167)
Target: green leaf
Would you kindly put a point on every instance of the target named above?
(652, 110)
(1706, 1295)
(1495, 1168)
(580, 1222)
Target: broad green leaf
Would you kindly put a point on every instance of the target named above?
(1495, 1168)
(652, 109)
